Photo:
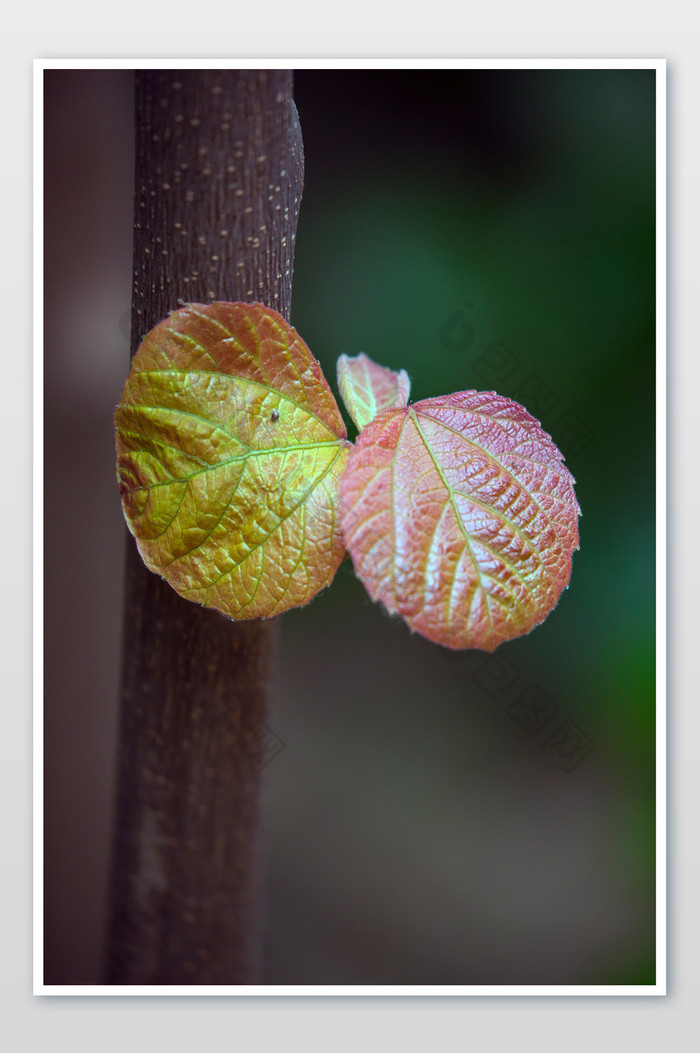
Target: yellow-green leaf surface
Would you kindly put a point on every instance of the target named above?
(230, 450)
(367, 388)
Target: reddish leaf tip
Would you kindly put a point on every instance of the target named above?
(368, 389)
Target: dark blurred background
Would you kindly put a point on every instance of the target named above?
(432, 817)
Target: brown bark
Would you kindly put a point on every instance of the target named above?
(219, 172)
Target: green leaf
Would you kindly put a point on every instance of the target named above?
(367, 389)
(230, 450)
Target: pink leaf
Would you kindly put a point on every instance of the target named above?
(460, 516)
(367, 389)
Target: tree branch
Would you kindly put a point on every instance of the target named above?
(219, 173)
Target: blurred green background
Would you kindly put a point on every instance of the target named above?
(428, 817)
(489, 230)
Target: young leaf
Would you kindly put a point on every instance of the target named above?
(366, 388)
(460, 516)
(230, 449)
